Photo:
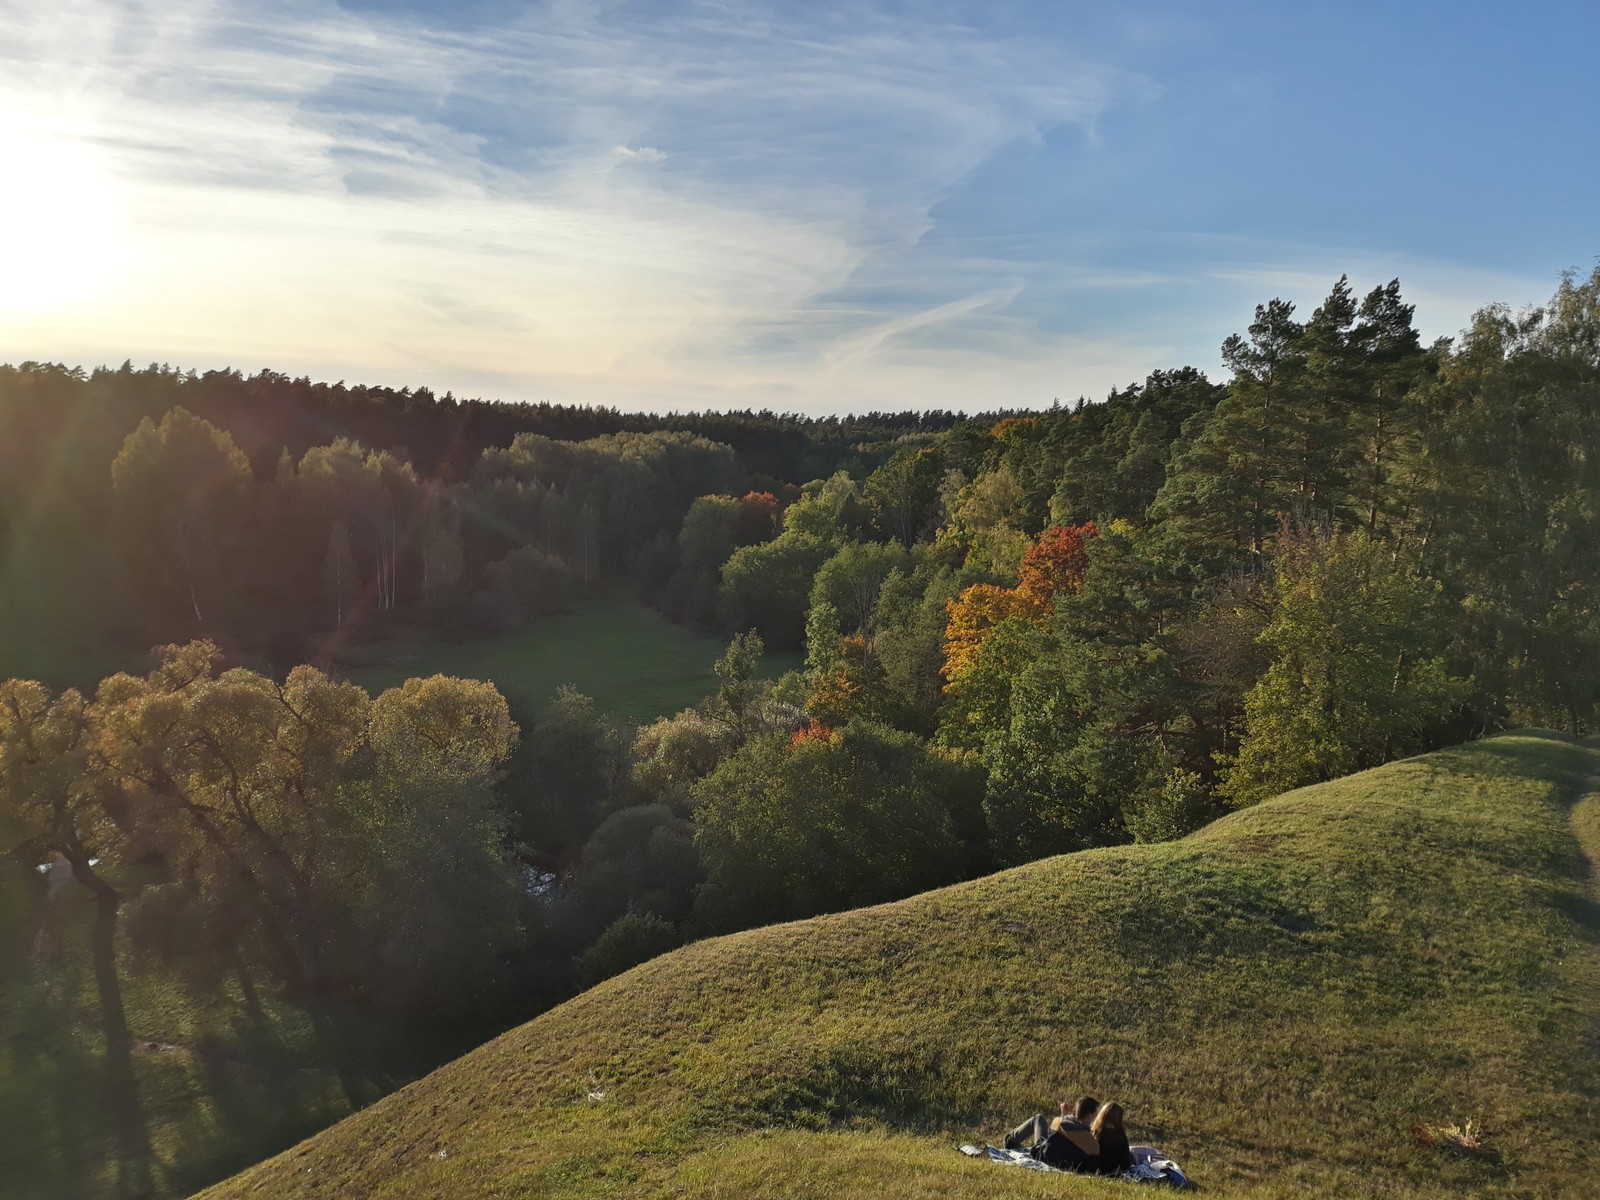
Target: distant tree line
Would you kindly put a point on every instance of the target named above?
(278, 516)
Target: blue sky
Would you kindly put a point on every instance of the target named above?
(802, 206)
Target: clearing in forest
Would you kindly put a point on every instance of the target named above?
(635, 663)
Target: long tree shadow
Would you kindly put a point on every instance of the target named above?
(124, 1112)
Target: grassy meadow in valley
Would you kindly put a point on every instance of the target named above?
(635, 664)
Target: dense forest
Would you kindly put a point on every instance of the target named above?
(1024, 634)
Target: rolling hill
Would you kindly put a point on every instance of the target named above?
(1283, 1001)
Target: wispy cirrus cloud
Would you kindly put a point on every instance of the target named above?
(360, 191)
(643, 204)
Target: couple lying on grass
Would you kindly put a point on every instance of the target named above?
(1087, 1137)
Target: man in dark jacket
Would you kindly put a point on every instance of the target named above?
(1063, 1141)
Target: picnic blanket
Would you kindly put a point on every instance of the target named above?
(1149, 1164)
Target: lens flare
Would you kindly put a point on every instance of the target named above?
(60, 221)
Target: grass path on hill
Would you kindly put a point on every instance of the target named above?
(635, 663)
(1277, 1000)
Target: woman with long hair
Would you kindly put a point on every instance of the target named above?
(1115, 1154)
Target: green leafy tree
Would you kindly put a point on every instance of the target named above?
(738, 686)
(569, 773)
(764, 587)
(631, 939)
(1225, 491)
(442, 550)
(1358, 673)
(849, 581)
(51, 801)
(830, 510)
(709, 534)
(339, 572)
(525, 584)
(184, 486)
(903, 494)
(792, 827)
(1058, 777)
(909, 626)
(986, 522)
(340, 842)
(1512, 523)
(672, 753)
(640, 859)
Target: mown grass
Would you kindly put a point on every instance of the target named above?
(1277, 1000)
(635, 663)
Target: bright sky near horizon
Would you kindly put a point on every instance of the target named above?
(673, 203)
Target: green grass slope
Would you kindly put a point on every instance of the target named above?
(1278, 1000)
(635, 663)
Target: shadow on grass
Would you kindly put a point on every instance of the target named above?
(1526, 754)
(135, 1175)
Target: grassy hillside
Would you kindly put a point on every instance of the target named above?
(1278, 1001)
(634, 662)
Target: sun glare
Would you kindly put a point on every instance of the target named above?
(60, 236)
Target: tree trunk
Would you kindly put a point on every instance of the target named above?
(84, 873)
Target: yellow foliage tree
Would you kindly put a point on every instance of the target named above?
(974, 614)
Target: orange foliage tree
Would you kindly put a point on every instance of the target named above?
(854, 687)
(1053, 563)
(972, 617)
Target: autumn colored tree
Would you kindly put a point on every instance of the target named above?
(853, 686)
(760, 518)
(1052, 563)
(974, 614)
(1055, 561)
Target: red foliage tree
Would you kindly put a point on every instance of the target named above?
(1055, 561)
(813, 729)
(759, 518)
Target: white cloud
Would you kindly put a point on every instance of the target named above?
(381, 199)
(373, 198)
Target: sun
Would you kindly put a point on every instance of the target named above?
(60, 221)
